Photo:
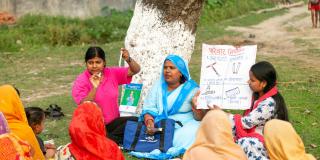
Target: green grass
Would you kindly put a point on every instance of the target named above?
(38, 66)
(58, 31)
(299, 84)
(253, 18)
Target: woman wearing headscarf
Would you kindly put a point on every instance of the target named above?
(214, 140)
(283, 142)
(171, 97)
(88, 137)
(13, 110)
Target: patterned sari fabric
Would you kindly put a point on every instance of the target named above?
(161, 104)
(214, 140)
(88, 135)
(13, 110)
(283, 142)
(13, 148)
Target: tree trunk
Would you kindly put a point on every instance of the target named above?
(158, 28)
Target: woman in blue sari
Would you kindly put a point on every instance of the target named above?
(171, 97)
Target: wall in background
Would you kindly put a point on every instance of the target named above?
(70, 8)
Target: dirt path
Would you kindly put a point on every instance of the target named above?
(288, 35)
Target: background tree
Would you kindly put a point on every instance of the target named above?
(158, 28)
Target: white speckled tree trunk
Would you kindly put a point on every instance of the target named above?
(158, 28)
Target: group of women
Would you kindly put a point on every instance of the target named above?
(204, 134)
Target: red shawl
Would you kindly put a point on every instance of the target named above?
(88, 135)
(240, 131)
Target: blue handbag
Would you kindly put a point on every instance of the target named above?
(136, 138)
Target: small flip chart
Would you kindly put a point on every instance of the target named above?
(130, 99)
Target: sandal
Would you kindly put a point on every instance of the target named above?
(54, 111)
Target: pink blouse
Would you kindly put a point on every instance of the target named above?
(107, 92)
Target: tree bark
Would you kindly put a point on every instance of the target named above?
(159, 28)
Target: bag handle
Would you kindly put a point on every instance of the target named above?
(161, 144)
(162, 134)
(136, 136)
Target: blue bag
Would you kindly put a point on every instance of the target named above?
(136, 138)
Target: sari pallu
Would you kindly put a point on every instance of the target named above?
(13, 110)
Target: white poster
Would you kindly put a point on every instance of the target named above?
(224, 76)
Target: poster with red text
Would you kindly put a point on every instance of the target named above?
(224, 76)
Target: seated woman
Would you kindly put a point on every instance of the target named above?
(88, 137)
(12, 109)
(215, 140)
(267, 104)
(99, 83)
(283, 142)
(171, 97)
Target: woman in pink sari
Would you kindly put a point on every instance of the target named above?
(99, 84)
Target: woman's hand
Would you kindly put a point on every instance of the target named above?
(214, 107)
(50, 153)
(149, 122)
(95, 79)
(125, 54)
(198, 114)
(134, 67)
(194, 101)
(150, 127)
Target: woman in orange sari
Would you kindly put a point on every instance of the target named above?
(13, 110)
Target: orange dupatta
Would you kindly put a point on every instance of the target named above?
(12, 108)
(283, 142)
(214, 140)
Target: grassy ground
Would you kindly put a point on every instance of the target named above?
(44, 74)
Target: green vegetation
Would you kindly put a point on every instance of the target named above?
(42, 55)
(56, 31)
(219, 10)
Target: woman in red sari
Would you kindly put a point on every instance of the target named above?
(88, 137)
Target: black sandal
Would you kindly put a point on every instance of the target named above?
(54, 111)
